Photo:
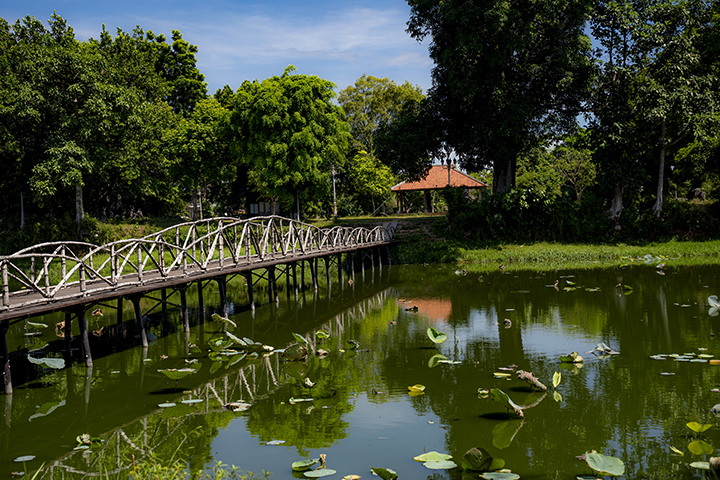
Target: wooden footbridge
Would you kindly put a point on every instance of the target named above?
(76, 276)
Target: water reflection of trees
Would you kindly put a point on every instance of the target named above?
(615, 405)
(92, 400)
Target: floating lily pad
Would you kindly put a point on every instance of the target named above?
(302, 465)
(557, 397)
(435, 336)
(701, 465)
(238, 406)
(384, 473)
(432, 457)
(220, 343)
(166, 405)
(275, 442)
(25, 458)
(320, 472)
(697, 427)
(435, 360)
(571, 358)
(658, 357)
(500, 476)
(440, 465)
(417, 388)
(604, 465)
(54, 363)
(501, 375)
(699, 447)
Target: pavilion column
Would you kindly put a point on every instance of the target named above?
(428, 201)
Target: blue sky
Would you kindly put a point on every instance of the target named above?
(338, 40)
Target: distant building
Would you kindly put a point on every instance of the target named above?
(439, 177)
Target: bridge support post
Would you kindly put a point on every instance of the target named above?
(135, 299)
(201, 303)
(7, 379)
(302, 275)
(314, 272)
(183, 306)
(273, 284)
(341, 276)
(119, 322)
(163, 297)
(327, 270)
(80, 314)
(287, 280)
(67, 332)
(249, 280)
(222, 287)
(372, 258)
(295, 279)
(387, 253)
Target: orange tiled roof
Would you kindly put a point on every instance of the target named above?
(437, 178)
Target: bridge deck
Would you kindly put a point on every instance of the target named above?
(211, 248)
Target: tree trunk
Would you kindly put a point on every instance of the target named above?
(661, 173)
(79, 209)
(503, 175)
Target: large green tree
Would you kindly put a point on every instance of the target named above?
(290, 134)
(507, 73)
(372, 101)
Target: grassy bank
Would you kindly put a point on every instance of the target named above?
(551, 256)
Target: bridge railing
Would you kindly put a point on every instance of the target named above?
(57, 270)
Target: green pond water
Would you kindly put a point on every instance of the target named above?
(629, 406)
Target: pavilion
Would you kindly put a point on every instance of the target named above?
(439, 177)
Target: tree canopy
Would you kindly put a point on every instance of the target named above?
(290, 134)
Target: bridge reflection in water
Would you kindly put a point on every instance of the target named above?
(76, 277)
(83, 394)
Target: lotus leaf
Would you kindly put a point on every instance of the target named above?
(698, 447)
(218, 318)
(698, 428)
(417, 388)
(219, 343)
(55, 363)
(238, 406)
(235, 339)
(25, 458)
(713, 301)
(354, 344)
(500, 476)
(701, 465)
(676, 451)
(351, 477)
(604, 465)
(166, 405)
(322, 335)
(192, 401)
(435, 336)
(557, 376)
(479, 460)
(440, 465)
(432, 457)
(503, 398)
(295, 352)
(36, 325)
(177, 374)
(321, 472)
(435, 360)
(384, 473)
(215, 366)
(501, 375)
(571, 358)
(275, 442)
(557, 397)
(302, 465)
(301, 339)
